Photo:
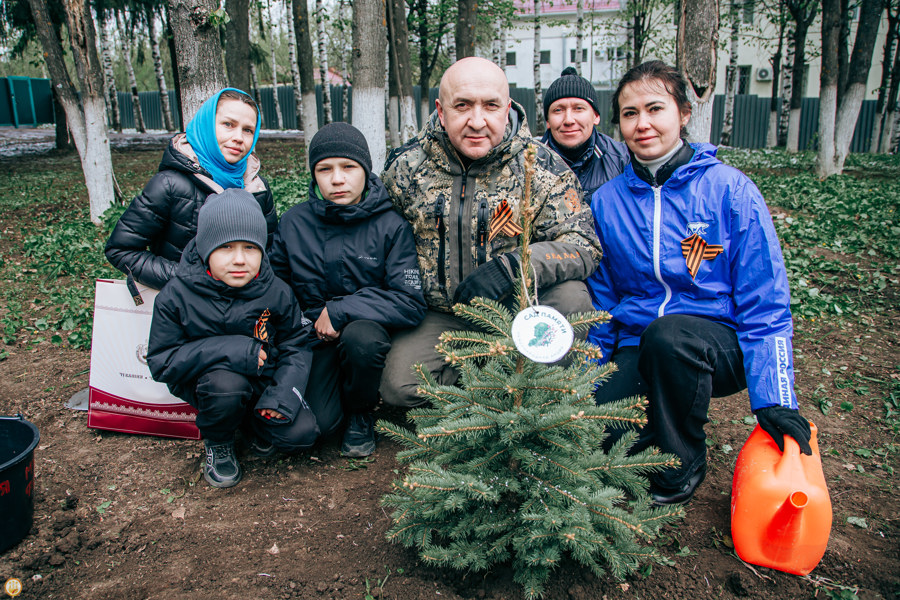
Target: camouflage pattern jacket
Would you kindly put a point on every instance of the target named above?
(463, 217)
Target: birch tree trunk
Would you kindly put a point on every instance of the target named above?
(129, 69)
(254, 84)
(467, 17)
(85, 115)
(579, 34)
(345, 52)
(503, 46)
(310, 123)
(237, 44)
(495, 44)
(731, 76)
(399, 42)
(892, 112)
(295, 72)
(158, 70)
(698, 35)
(369, 43)
(201, 71)
(857, 78)
(787, 86)
(828, 85)
(538, 127)
(323, 60)
(887, 59)
(278, 120)
(109, 77)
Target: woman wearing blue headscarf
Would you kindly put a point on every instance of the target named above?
(214, 153)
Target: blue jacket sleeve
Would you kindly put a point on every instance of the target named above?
(762, 300)
(603, 295)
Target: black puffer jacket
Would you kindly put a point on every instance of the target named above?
(200, 323)
(359, 261)
(152, 232)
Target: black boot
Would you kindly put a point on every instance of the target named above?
(359, 438)
(221, 468)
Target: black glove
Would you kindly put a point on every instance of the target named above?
(779, 421)
(491, 280)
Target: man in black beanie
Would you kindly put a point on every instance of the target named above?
(571, 111)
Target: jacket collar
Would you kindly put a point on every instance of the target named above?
(680, 158)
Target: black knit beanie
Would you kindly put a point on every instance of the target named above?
(340, 140)
(570, 85)
(232, 216)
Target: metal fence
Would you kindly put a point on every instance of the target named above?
(27, 102)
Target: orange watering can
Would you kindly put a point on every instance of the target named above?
(780, 508)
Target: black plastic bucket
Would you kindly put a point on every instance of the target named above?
(18, 439)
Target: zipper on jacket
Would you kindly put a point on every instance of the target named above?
(482, 231)
(657, 229)
(439, 223)
(459, 224)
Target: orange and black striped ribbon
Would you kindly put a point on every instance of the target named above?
(696, 250)
(501, 222)
(260, 332)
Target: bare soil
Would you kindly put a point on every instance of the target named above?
(120, 516)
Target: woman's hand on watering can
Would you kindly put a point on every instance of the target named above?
(779, 421)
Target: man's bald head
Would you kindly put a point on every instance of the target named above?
(473, 105)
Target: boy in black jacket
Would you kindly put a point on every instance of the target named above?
(227, 336)
(351, 261)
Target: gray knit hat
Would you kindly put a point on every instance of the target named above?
(340, 140)
(570, 85)
(232, 216)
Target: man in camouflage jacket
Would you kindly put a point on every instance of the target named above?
(460, 183)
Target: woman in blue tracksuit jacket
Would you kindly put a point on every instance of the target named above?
(693, 277)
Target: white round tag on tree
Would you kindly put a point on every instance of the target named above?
(542, 334)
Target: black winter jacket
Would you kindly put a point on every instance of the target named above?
(604, 159)
(200, 323)
(359, 261)
(152, 232)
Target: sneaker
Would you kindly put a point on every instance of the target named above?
(259, 446)
(221, 468)
(359, 437)
(683, 495)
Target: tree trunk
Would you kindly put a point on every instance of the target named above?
(323, 60)
(109, 77)
(772, 131)
(787, 85)
(802, 12)
(503, 47)
(129, 69)
(278, 120)
(698, 35)
(881, 104)
(399, 41)
(846, 14)
(173, 58)
(200, 67)
(295, 73)
(254, 84)
(158, 69)
(345, 52)
(467, 17)
(731, 76)
(305, 64)
(393, 79)
(538, 127)
(828, 85)
(579, 34)
(495, 44)
(860, 64)
(85, 115)
(237, 44)
(369, 43)
(892, 112)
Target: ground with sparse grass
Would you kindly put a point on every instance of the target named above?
(124, 517)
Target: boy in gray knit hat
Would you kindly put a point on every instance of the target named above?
(228, 338)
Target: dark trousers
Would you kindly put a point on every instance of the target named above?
(681, 363)
(224, 399)
(346, 373)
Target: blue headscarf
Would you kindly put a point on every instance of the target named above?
(201, 135)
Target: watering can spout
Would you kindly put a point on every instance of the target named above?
(785, 528)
